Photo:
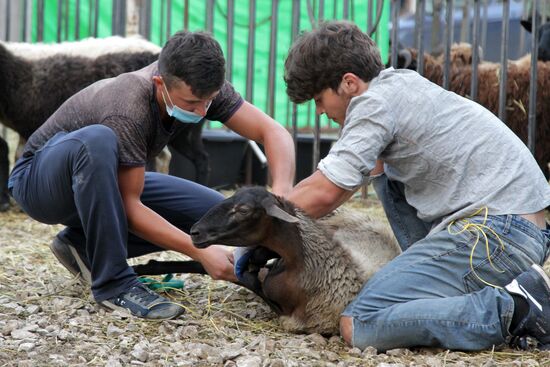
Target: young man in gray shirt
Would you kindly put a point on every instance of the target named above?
(85, 168)
(464, 197)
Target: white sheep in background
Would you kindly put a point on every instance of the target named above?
(87, 47)
(322, 263)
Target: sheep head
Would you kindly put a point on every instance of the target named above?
(245, 219)
(253, 217)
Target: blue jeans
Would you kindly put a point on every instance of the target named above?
(72, 180)
(432, 294)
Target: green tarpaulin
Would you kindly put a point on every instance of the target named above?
(358, 12)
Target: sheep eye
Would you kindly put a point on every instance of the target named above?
(243, 210)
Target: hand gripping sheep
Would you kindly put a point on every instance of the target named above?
(321, 264)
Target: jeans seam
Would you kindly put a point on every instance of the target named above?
(397, 218)
(397, 323)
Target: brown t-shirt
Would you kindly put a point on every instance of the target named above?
(128, 106)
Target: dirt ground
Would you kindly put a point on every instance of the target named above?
(47, 318)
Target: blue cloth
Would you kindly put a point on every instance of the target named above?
(432, 296)
(241, 257)
(72, 180)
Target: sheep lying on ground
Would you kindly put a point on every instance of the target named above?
(517, 95)
(32, 89)
(322, 263)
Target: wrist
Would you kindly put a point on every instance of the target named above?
(188, 248)
(281, 190)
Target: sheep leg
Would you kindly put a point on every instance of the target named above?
(281, 287)
(154, 267)
(4, 173)
(251, 281)
(259, 258)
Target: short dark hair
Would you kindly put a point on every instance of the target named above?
(319, 59)
(195, 58)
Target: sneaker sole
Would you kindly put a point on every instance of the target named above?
(107, 305)
(110, 306)
(84, 275)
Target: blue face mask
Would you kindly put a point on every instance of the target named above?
(180, 114)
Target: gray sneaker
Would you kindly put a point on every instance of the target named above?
(71, 259)
(145, 303)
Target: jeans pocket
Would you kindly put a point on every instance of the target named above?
(503, 266)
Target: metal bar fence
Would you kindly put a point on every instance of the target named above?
(475, 52)
(503, 61)
(419, 39)
(532, 124)
(449, 26)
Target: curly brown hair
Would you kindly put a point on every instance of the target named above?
(319, 59)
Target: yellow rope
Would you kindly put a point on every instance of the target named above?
(477, 229)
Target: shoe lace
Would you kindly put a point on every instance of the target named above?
(143, 295)
(479, 229)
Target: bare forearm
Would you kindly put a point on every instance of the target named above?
(317, 196)
(250, 122)
(280, 153)
(311, 200)
(150, 226)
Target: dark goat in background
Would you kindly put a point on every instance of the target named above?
(31, 90)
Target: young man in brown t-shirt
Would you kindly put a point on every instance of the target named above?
(85, 168)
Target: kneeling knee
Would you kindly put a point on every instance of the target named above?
(346, 329)
(99, 141)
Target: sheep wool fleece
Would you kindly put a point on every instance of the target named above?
(69, 170)
(454, 173)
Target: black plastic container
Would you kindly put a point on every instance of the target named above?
(228, 154)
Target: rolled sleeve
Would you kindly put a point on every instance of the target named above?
(341, 173)
(368, 129)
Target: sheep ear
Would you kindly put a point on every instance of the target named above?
(274, 211)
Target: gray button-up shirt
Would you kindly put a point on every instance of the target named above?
(452, 155)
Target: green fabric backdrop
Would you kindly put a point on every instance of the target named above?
(197, 21)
